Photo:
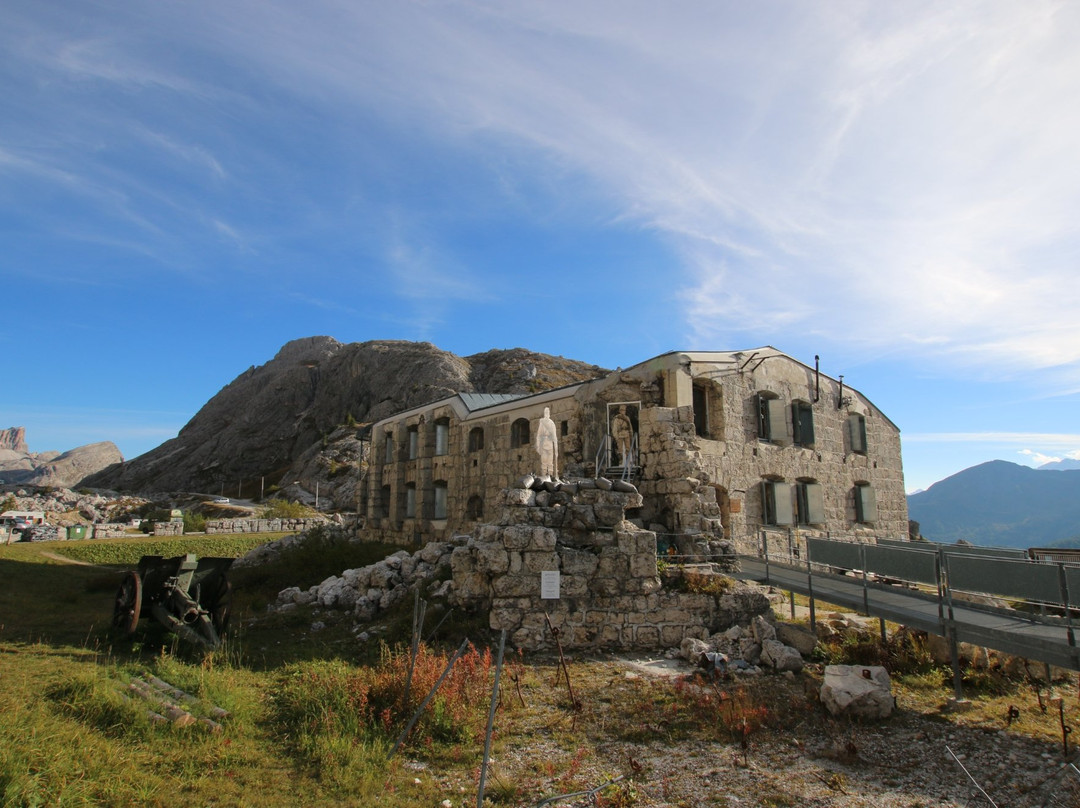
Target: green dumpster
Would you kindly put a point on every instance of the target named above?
(76, 532)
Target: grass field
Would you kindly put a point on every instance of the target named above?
(313, 714)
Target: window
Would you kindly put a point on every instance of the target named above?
(519, 433)
(414, 442)
(771, 420)
(384, 502)
(474, 508)
(388, 455)
(442, 437)
(708, 408)
(802, 423)
(865, 503)
(701, 412)
(809, 503)
(778, 507)
(476, 439)
(856, 428)
(410, 500)
(440, 500)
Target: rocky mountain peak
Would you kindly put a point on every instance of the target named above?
(275, 422)
(14, 439)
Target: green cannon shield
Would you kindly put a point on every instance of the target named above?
(186, 594)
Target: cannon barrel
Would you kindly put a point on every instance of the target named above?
(185, 594)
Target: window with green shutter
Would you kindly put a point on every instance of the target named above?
(810, 503)
(779, 507)
(865, 503)
(856, 427)
(771, 418)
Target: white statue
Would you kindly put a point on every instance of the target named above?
(547, 446)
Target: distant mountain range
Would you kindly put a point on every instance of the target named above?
(1003, 504)
(1068, 464)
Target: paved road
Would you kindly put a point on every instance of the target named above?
(1010, 632)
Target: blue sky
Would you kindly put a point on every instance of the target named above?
(184, 187)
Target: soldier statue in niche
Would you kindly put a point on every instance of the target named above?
(622, 433)
(547, 446)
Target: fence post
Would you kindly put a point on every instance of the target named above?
(865, 583)
(491, 720)
(954, 645)
(765, 546)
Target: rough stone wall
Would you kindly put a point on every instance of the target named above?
(610, 594)
(110, 531)
(168, 528)
(712, 484)
(262, 525)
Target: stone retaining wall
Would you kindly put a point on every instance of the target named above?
(263, 525)
(110, 531)
(610, 595)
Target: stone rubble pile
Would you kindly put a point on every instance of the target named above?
(375, 588)
(748, 649)
(64, 507)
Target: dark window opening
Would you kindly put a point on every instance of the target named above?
(476, 439)
(701, 412)
(802, 423)
(474, 508)
(519, 433)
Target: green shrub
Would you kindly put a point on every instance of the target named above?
(284, 509)
(317, 701)
(194, 522)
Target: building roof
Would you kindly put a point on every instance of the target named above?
(478, 401)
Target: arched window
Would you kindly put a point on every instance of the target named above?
(440, 500)
(442, 437)
(519, 433)
(476, 439)
(474, 508)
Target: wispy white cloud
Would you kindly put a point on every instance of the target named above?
(875, 176)
(1038, 458)
(1037, 438)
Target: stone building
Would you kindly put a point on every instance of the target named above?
(747, 446)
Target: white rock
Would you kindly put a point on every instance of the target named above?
(863, 691)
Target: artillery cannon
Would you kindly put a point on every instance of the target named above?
(186, 594)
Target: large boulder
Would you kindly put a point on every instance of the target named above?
(780, 657)
(801, 639)
(857, 691)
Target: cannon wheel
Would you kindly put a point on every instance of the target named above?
(218, 604)
(128, 604)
